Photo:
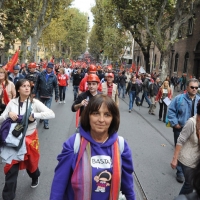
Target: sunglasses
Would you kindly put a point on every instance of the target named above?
(192, 87)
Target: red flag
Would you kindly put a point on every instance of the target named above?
(13, 61)
(72, 63)
(133, 67)
(52, 59)
(44, 65)
(5, 95)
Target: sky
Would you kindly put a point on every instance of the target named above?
(85, 6)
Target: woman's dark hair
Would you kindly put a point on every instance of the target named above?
(19, 84)
(196, 178)
(94, 105)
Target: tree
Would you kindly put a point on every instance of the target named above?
(161, 21)
(68, 32)
(94, 44)
(23, 18)
(110, 35)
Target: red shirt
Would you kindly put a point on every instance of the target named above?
(110, 88)
(62, 79)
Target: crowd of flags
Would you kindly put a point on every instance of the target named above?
(81, 63)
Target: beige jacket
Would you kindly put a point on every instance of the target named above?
(190, 151)
(114, 92)
(10, 89)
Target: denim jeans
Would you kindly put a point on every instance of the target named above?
(75, 91)
(176, 135)
(123, 88)
(187, 187)
(145, 95)
(47, 103)
(132, 96)
(183, 86)
(62, 90)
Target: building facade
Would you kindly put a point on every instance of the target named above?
(185, 55)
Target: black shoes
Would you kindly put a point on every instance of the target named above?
(180, 178)
(159, 119)
(46, 126)
(41, 120)
(35, 182)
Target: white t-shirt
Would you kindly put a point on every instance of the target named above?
(68, 71)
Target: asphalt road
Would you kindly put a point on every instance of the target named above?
(150, 141)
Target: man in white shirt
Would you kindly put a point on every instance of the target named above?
(68, 71)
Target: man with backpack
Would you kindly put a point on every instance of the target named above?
(153, 91)
(122, 84)
(180, 110)
(145, 88)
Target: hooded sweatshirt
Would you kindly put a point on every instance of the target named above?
(101, 163)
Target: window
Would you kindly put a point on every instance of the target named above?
(154, 62)
(190, 26)
(161, 57)
(28, 48)
(180, 33)
(176, 62)
(186, 63)
(128, 52)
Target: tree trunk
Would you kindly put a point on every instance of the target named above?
(23, 50)
(33, 50)
(165, 66)
(147, 61)
(34, 41)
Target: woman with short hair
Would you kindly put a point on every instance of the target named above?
(94, 164)
(27, 156)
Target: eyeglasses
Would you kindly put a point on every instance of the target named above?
(192, 87)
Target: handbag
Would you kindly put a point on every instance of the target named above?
(19, 128)
(28, 112)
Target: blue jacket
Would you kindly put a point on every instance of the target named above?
(45, 85)
(14, 79)
(61, 186)
(184, 111)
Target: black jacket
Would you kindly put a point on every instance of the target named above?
(145, 85)
(122, 80)
(80, 98)
(46, 86)
(153, 89)
(128, 89)
(77, 79)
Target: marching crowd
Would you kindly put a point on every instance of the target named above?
(26, 94)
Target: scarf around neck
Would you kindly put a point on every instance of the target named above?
(82, 176)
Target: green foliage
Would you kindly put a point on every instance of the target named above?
(110, 35)
(94, 44)
(68, 33)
